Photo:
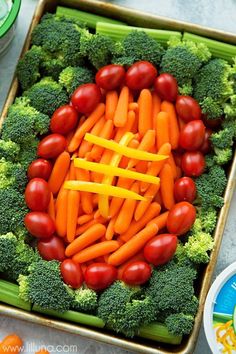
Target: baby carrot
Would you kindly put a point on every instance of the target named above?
(169, 108)
(61, 213)
(125, 215)
(72, 171)
(136, 226)
(60, 191)
(110, 229)
(86, 197)
(81, 229)
(116, 202)
(42, 351)
(82, 219)
(155, 166)
(97, 250)
(156, 108)
(145, 111)
(86, 127)
(128, 126)
(59, 172)
(125, 160)
(142, 167)
(106, 133)
(11, 344)
(72, 214)
(120, 117)
(142, 206)
(105, 159)
(167, 186)
(51, 208)
(111, 104)
(85, 146)
(147, 142)
(162, 129)
(138, 257)
(160, 220)
(158, 198)
(133, 246)
(94, 233)
(133, 106)
(172, 164)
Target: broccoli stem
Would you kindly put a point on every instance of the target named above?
(72, 316)
(118, 32)
(9, 294)
(218, 49)
(89, 18)
(159, 332)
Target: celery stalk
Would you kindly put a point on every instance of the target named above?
(159, 332)
(72, 316)
(89, 18)
(118, 32)
(9, 294)
(218, 49)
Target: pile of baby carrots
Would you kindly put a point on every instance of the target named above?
(102, 214)
(14, 344)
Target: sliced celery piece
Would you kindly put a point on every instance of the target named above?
(9, 294)
(159, 332)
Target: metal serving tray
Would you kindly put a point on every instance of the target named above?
(137, 345)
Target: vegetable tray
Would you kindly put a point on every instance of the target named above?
(138, 344)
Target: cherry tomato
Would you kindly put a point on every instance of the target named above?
(160, 249)
(51, 146)
(193, 163)
(86, 97)
(166, 87)
(39, 168)
(192, 135)
(52, 248)
(140, 75)
(181, 218)
(72, 273)
(99, 276)
(64, 119)
(110, 77)
(206, 145)
(39, 224)
(188, 108)
(136, 273)
(37, 194)
(185, 190)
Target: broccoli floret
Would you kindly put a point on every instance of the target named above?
(46, 96)
(214, 85)
(28, 153)
(179, 323)
(98, 48)
(8, 244)
(12, 210)
(23, 287)
(45, 288)
(206, 220)
(210, 187)
(223, 156)
(86, 300)
(9, 150)
(138, 45)
(72, 77)
(28, 68)
(183, 60)
(223, 139)
(198, 246)
(230, 106)
(12, 175)
(24, 122)
(124, 309)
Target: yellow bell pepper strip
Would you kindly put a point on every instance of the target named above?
(124, 150)
(103, 202)
(103, 189)
(114, 171)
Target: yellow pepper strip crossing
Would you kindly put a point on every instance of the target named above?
(124, 150)
(114, 171)
(103, 202)
(104, 189)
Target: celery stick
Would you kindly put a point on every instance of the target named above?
(159, 332)
(89, 18)
(9, 294)
(72, 316)
(218, 49)
(118, 32)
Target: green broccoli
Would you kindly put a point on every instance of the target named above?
(9, 150)
(179, 323)
(28, 153)
(8, 243)
(28, 68)
(198, 246)
(72, 77)
(12, 175)
(210, 187)
(183, 60)
(213, 87)
(86, 300)
(46, 96)
(136, 46)
(24, 122)
(45, 288)
(230, 106)
(125, 309)
(12, 210)
(98, 48)
(206, 220)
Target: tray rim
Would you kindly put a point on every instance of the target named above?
(163, 22)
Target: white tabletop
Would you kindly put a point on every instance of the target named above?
(213, 13)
